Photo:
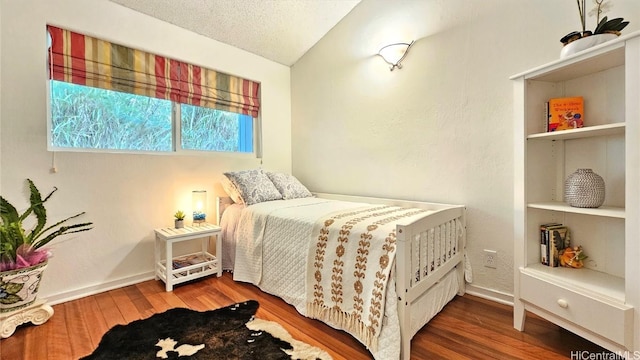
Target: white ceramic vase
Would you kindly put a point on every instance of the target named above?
(585, 43)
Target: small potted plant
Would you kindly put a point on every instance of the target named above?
(179, 215)
(22, 256)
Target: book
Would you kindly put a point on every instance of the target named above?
(566, 113)
(545, 122)
(558, 241)
(544, 242)
(187, 261)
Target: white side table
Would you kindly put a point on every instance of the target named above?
(191, 266)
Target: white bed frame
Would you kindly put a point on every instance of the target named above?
(431, 243)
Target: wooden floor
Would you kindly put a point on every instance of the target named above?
(468, 328)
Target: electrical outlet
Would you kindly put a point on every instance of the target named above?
(490, 258)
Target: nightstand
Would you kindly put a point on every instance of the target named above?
(191, 266)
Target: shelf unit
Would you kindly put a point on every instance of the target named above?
(601, 301)
(191, 266)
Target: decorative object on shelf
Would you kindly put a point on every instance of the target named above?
(554, 238)
(572, 257)
(605, 30)
(393, 54)
(22, 256)
(179, 222)
(199, 205)
(565, 113)
(585, 43)
(584, 189)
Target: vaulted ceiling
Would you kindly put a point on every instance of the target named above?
(279, 30)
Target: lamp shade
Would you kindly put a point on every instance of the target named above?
(393, 54)
(199, 205)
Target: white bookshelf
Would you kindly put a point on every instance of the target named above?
(599, 302)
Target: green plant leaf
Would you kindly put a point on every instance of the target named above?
(37, 205)
(62, 231)
(8, 213)
(613, 23)
(10, 299)
(13, 235)
(12, 288)
(600, 25)
(37, 242)
(605, 25)
(621, 26)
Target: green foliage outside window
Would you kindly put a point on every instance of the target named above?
(84, 117)
(198, 121)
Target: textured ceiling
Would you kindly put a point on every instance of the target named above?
(279, 30)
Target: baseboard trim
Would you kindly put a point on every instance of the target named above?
(471, 289)
(96, 289)
(490, 294)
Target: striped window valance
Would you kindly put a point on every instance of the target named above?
(84, 60)
(209, 88)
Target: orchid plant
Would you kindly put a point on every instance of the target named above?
(603, 26)
(20, 248)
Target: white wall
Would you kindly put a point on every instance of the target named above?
(126, 196)
(440, 129)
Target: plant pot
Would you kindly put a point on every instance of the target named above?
(179, 224)
(585, 43)
(19, 288)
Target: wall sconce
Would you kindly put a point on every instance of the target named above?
(393, 54)
(199, 206)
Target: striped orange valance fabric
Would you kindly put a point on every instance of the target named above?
(85, 60)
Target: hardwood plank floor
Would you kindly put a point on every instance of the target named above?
(468, 328)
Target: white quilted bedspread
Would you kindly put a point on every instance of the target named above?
(271, 252)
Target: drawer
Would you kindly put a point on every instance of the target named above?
(609, 319)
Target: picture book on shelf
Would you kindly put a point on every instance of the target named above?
(564, 113)
(554, 237)
(558, 241)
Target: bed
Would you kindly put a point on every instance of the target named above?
(379, 269)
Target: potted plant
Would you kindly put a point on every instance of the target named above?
(179, 215)
(605, 29)
(23, 257)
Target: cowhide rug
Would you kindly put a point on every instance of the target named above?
(227, 333)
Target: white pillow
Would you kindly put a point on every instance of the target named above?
(289, 186)
(231, 190)
(253, 186)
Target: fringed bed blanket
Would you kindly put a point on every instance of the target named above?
(351, 255)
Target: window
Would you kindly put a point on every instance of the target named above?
(208, 129)
(117, 98)
(84, 117)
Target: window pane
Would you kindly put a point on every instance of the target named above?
(91, 118)
(215, 130)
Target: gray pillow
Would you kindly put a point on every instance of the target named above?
(253, 186)
(289, 186)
